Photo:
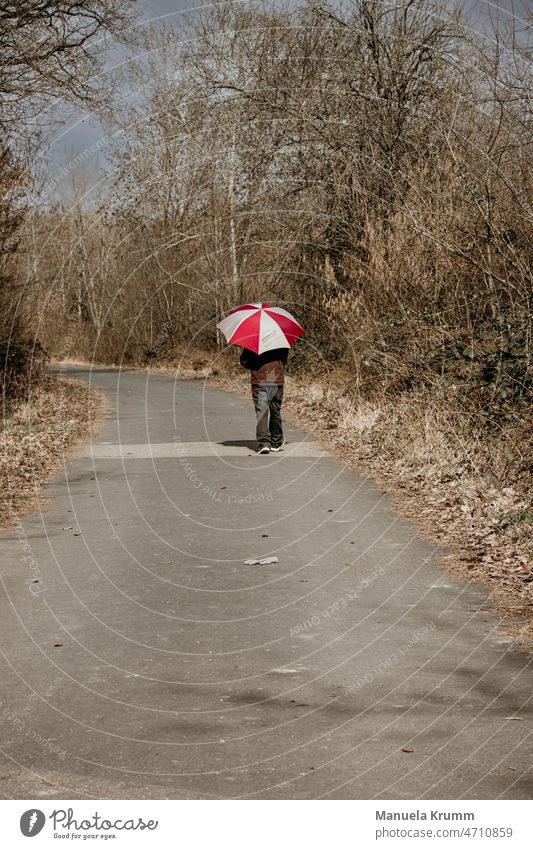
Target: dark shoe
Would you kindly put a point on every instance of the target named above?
(278, 447)
(263, 449)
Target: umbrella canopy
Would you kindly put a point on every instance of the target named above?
(260, 327)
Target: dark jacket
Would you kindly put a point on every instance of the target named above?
(266, 369)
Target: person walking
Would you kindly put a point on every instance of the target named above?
(267, 375)
(265, 333)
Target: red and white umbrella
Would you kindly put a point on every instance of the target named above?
(260, 327)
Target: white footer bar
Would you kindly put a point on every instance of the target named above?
(242, 824)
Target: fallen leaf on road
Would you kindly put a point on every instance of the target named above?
(407, 749)
(58, 645)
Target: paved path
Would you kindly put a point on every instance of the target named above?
(183, 673)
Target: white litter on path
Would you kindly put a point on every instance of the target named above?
(284, 670)
(265, 562)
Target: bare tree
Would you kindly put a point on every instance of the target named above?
(53, 51)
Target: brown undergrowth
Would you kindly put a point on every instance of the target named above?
(37, 435)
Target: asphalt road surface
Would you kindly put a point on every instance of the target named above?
(141, 657)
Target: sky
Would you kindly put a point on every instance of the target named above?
(78, 146)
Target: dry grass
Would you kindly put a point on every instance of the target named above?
(37, 436)
(441, 479)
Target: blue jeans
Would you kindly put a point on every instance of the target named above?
(267, 403)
